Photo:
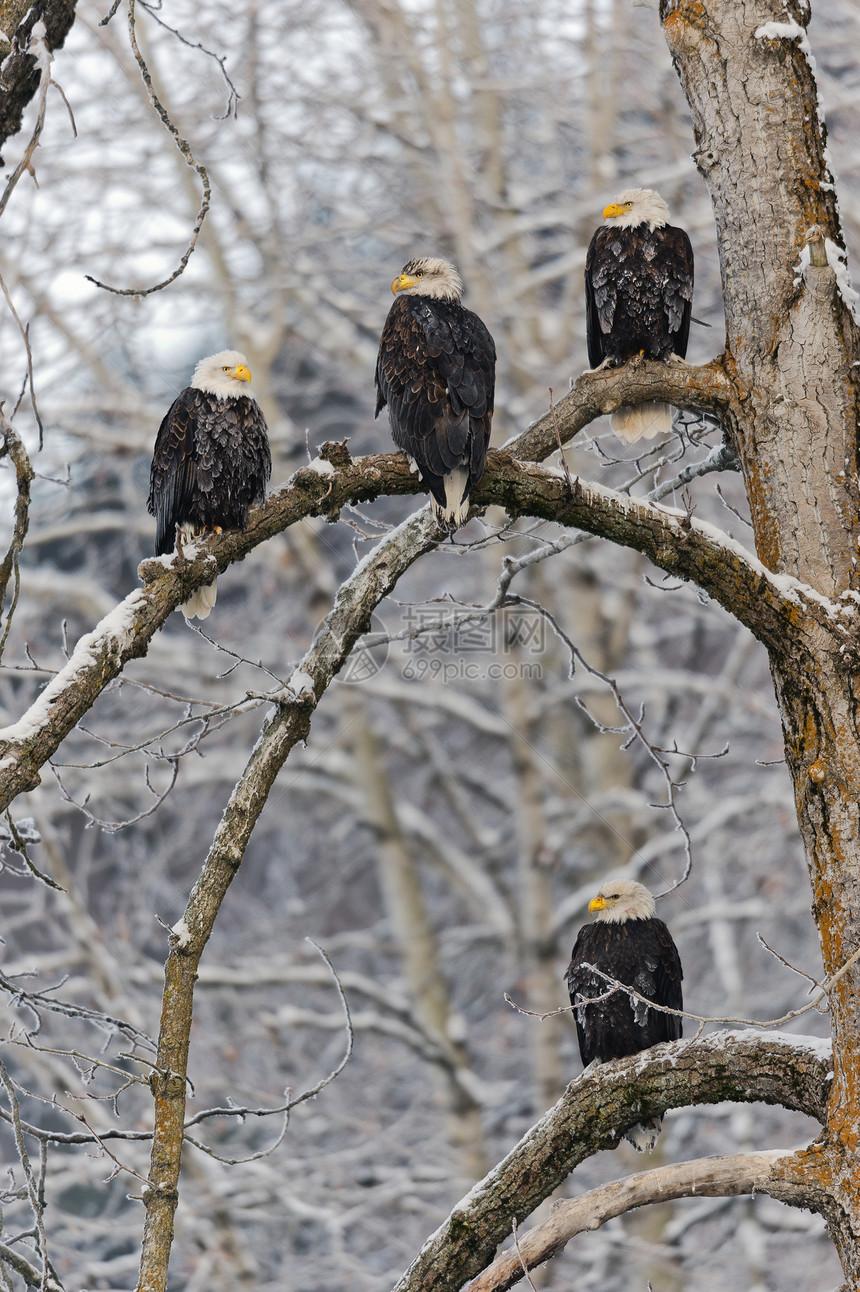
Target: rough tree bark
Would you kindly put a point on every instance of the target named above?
(760, 147)
(19, 75)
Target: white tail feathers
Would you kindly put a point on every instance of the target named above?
(644, 1135)
(641, 421)
(456, 509)
(200, 602)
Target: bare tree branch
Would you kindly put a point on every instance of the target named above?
(710, 1177)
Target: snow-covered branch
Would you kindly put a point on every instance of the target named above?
(672, 539)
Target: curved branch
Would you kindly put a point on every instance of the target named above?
(593, 1114)
(709, 1177)
(675, 541)
(672, 540)
(705, 389)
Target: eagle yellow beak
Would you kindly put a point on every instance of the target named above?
(241, 373)
(401, 282)
(614, 208)
(597, 903)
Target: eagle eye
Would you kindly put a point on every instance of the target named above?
(419, 273)
(227, 369)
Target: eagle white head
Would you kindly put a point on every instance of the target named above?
(429, 276)
(225, 375)
(637, 206)
(619, 900)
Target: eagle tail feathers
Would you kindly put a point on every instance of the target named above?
(200, 602)
(455, 511)
(641, 421)
(644, 1135)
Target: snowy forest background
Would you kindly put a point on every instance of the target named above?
(456, 806)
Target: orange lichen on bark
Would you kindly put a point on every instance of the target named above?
(685, 26)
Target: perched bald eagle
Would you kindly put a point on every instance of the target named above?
(436, 372)
(639, 294)
(211, 461)
(629, 944)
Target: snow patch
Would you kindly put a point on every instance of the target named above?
(38, 47)
(820, 1047)
(181, 935)
(787, 31)
(301, 684)
(837, 259)
(111, 635)
(321, 466)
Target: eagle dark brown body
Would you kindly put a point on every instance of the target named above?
(639, 293)
(638, 298)
(642, 955)
(211, 464)
(436, 372)
(211, 461)
(629, 945)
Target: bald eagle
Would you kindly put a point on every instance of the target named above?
(436, 372)
(639, 294)
(211, 461)
(630, 945)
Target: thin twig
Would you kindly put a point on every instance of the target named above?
(24, 1159)
(521, 1257)
(186, 152)
(565, 467)
(25, 336)
(631, 992)
(12, 444)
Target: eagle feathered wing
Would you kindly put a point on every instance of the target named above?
(435, 371)
(173, 477)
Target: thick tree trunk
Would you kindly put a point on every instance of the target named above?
(791, 350)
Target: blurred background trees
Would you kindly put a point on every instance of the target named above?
(457, 802)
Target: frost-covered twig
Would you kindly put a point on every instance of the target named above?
(30, 380)
(11, 444)
(33, 1191)
(38, 47)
